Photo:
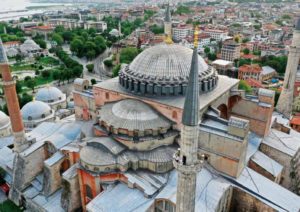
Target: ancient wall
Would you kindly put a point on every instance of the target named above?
(281, 158)
(259, 116)
(243, 202)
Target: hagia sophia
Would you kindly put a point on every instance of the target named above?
(167, 134)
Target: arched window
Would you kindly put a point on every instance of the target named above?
(43, 116)
(29, 118)
(164, 205)
(174, 115)
(89, 192)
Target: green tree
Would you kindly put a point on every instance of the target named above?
(18, 86)
(212, 56)
(46, 74)
(68, 36)
(243, 85)
(76, 46)
(41, 43)
(58, 39)
(19, 58)
(128, 54)
(31, 83)
(93, 81)
(156, 29)
(206, 50)
(90, 67)
(116, 70)
(246, 51)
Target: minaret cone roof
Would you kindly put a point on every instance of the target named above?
(190, 115)
(168, 14)
(3, 57)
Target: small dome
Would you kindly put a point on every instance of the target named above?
(4, 120)
(164, 70)
(35, 110)
(29, 42)
(132, 114)
(49, 94)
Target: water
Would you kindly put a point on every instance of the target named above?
(10, 9)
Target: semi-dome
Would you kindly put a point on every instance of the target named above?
(164, 70)
(49, 94)
(132, 115)
(4, 120)
(36, 110)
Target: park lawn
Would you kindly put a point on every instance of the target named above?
(8, 206)
(22, 67)
(48, 61)
(42, 81)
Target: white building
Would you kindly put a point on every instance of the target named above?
(218, 35)
(30, 48)
(181, 32)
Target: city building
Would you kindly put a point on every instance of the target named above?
(218, 35)
(30, 49)
(252, 71)
(230, 51)
(225, 67)
(182, 31)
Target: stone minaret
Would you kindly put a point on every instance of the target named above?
(186, 159)
(12, 101)
(285, 101)
(168, 23)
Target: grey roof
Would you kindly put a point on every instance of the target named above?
(165, 65)
(3, 57)
(107, 143)
(49, 94)
(36, 110)
(132, 114)
(190, 115)
(168, 14)
(267, 163)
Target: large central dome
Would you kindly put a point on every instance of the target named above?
(163, 70)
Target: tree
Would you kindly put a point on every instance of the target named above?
(18, 87)
(156, 29)
(31, 83)
(91, 54)
(76, 46)
(108, 63)
(90, 67)
(212, 56)
(128, 54)
(56, 75)
(19, 58)
(93, 81)
(246, 51)
(46, 74)
(243, 85)
(58, 39)
(68, 36)
(77, 71)
(41, 43)
(206, 50)
(237, 39)
(116, 70)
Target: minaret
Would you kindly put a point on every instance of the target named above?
(168, 23)
(285, 101)
(12, 101)
(186, 159)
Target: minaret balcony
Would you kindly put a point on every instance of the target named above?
(7, 83)
(187, 169)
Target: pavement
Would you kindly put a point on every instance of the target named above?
(3, 197)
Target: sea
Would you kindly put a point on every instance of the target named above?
(14, 9)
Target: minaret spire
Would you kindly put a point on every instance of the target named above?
(285, 101)
(12, 101)
(168, 25)
(186, 159)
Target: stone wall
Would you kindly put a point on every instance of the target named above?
(259, 116)
(244, 202)
(281, 158)
(264, 172)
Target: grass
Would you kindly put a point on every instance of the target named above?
(48, 61)
(22, 67)
(9, 206)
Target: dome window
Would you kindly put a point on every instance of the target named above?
(43, 116)
(29, 118)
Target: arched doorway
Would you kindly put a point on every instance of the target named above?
(233, 100)
(164, 205)
(223, 111)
